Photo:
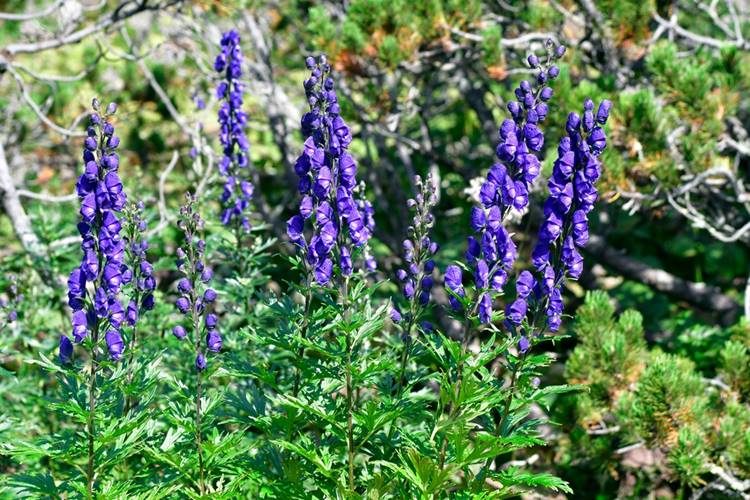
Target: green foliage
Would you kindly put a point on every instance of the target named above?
(637, 394)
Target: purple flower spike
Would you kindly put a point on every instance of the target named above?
(238, 190)
(102, 245)
(197, 299)
(333, 219)
(491, 251)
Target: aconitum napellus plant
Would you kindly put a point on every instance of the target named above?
(196, 302)
(342, 221)
(233, 166)
(416, 277)
(97, 308)
(491, 251)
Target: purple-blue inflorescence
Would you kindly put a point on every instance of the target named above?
(140, 272)
(342, 221)
(419, 250)
(238, 190)
(196, 298)
(491, 251)
(99, 188)
(565, 228)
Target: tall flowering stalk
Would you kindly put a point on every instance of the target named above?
(416, 278)
(341, 220)
(572, 195)
(491, 251)
(140, 275)
(233, 166)
(94, 286)
(195, 301)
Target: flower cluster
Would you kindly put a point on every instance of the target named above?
(8, 305)
(102, 200)
(565, 228)
(238, 190)
(419, 250)
(342, 222)
(492, 252)
(136, 246)
(195, 297)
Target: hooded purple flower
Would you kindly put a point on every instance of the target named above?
(213, 341)
(179, 332)
(453, 280)
(114, 344)
(66, 350)
(200, 362)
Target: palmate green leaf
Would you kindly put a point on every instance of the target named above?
(316, 411)
(33, 451)
(34, 485)
(544, 396)
(173, 436)
(422, 472)
(372, 418)
(49, 365)
(372, 323)
(324, 463)
(519, 480)
(485, 445)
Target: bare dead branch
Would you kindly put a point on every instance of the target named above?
(698, 295)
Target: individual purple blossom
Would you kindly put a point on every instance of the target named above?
(341, 219)
(65, 352)
(200, 362)
(454, 282)
(195, 297)
(102, 199)
(179, 332)
(419, 252)
(114, 344)
(233, 166)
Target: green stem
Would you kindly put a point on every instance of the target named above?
(198, 438)
(199, 375)
(459, 369)
(92, 409)
(303, 334)
(349, 389)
